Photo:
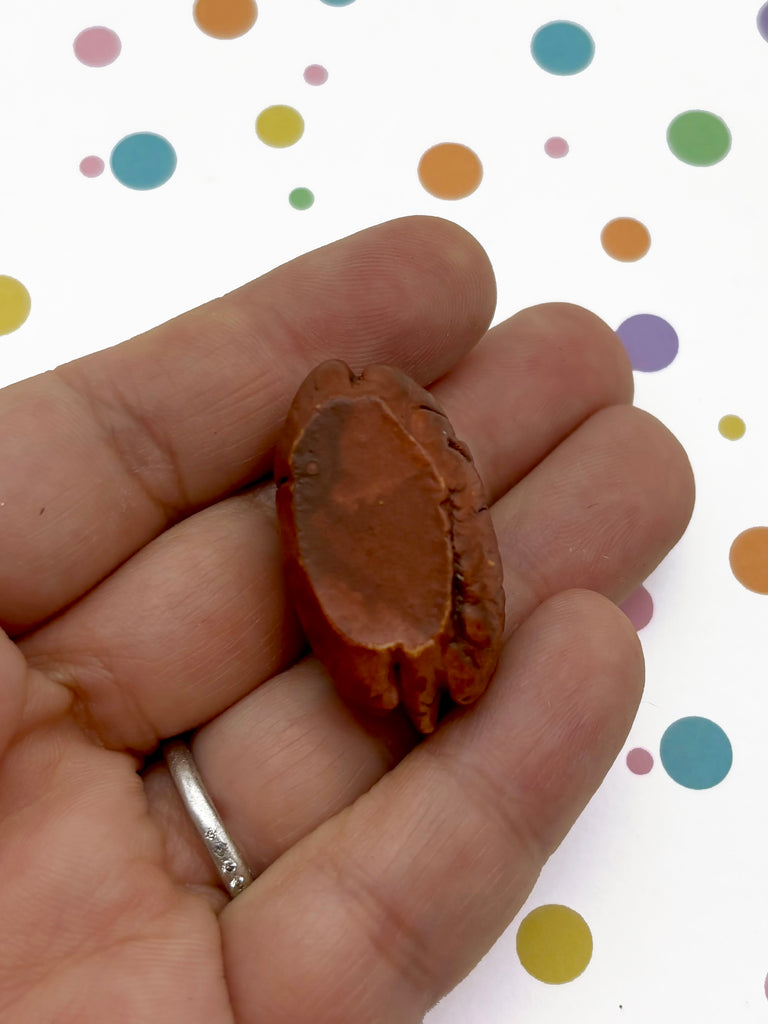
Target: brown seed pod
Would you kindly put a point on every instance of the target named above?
(390, 554)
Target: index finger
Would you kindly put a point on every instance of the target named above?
(102, 454)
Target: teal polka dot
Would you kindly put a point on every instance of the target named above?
(143, 160)
(562, 48)
(338, 3)
(696, 753)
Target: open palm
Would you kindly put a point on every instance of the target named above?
(141, 591)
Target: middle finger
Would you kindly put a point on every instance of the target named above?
(204, 605)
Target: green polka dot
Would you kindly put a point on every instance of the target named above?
(301, 198)
(699, 138)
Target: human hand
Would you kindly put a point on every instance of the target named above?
(140, 579)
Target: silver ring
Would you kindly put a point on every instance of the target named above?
(228, 860)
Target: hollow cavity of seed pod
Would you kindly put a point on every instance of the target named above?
(349, 517)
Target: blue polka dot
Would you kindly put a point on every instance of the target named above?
(562, 48)
(143, 160)
(696, 753)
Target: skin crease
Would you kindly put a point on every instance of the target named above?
(141, 590)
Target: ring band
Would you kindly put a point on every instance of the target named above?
(229, 861)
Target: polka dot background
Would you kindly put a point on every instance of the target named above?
(205, 143)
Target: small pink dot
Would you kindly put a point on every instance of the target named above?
(97, 46)
(639, 761)
(638, 608)
(91, 166)
(315, 74)
(556, 147)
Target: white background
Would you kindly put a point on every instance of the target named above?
(672, 882)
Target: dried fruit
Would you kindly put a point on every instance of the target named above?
(390, 554)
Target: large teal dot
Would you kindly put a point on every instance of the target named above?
(562, 48)
(696, 752)
(338, 3)
(143, 160)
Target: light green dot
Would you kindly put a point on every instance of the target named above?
(301, 198)
(698, 137)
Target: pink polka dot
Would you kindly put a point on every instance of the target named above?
(97, 46)
(638, 608)
(639, 761)
(315, 74)
(91, 166)
(556, 147)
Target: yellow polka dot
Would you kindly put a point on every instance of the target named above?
(279, 125)
(15, 304)
(554, 944)
(732, 427)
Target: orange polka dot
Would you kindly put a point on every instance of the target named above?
(450, 170)
(225, 19)
(626, 239)
(749, 559)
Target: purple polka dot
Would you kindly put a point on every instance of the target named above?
(556, 147)
(315, 74)
(91, 166)
(639, 761)
(765, 986)
(638, 608)
(97, 46)
(650, 341)
(762, 21)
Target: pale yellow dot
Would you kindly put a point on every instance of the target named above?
(279, 125)
(15, 304)
(732, 427)
(554, 944)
